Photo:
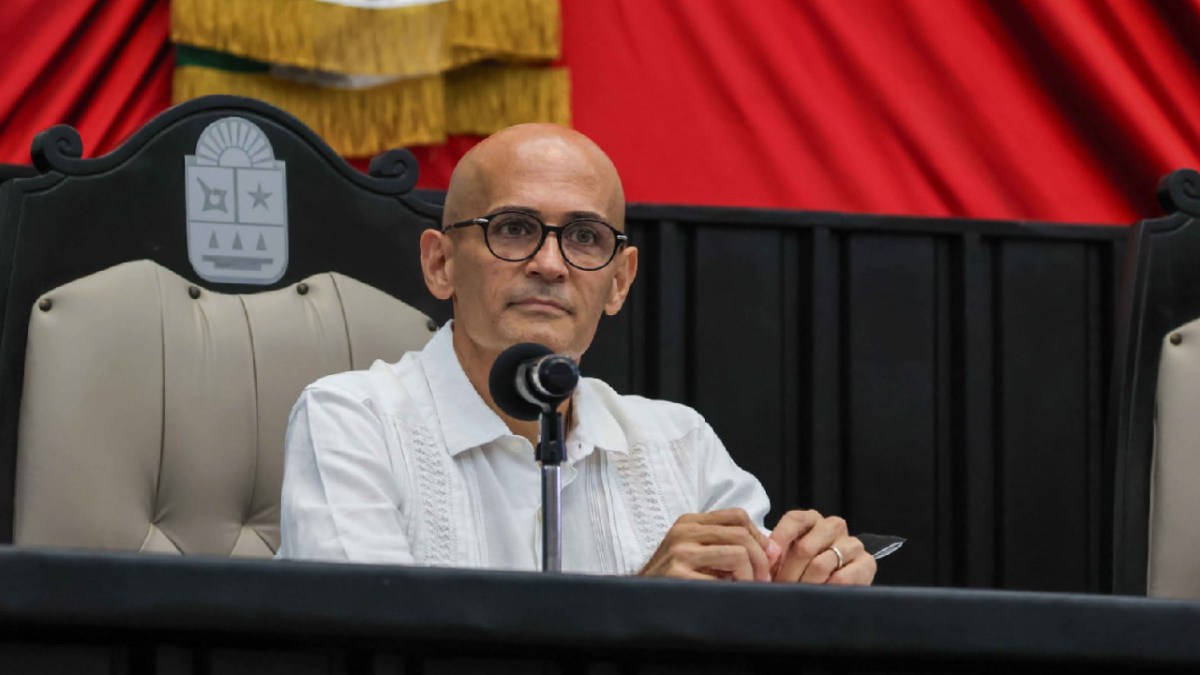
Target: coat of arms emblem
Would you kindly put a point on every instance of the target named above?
(236, 205)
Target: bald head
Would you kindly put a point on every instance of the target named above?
(546, 153)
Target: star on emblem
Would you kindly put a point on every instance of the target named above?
(214, 199)
(260, 197)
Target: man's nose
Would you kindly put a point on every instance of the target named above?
(548, 262)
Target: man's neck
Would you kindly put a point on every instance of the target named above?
(477, 363)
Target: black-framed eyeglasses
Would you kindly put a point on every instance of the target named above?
(516, 236)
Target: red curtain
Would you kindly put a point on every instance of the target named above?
(1063, 110)
(102, 66)
(1048, 109)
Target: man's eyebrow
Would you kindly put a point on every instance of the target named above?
(519, 209)
(570, 215)
(589, 215)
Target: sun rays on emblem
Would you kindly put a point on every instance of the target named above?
(234, 142)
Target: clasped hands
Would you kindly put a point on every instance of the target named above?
(727, 545)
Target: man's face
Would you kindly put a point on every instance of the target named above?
(545, 300)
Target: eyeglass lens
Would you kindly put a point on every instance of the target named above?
(585, 243)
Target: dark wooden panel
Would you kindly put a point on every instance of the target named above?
(974, 531)
(821, 370)
(790, 401)
(1043, 378)
(891, 462)
(1098, 351)
(636, 312)
(947, 501)
(737, 334)
(668, 283)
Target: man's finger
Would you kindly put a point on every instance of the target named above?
(727, 558)
(733, 518)
(681, 571)
(820, 568)
(792, 526)
(851, 548)
(859, 572)
(802, 552)
(735, 535)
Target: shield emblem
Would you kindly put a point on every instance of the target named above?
(236, 205)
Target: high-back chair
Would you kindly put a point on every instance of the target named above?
(1154, 428)
(164, 305)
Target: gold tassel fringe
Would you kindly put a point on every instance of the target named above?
(363, 122)
(355, 122)
(408, 41)
(507, 30)
(486, 98)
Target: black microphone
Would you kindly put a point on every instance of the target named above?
(528, 379)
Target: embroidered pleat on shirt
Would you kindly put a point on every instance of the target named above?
(598, 510)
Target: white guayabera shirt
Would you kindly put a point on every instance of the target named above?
(404, 463)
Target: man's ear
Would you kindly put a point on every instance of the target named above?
(436, 263)
(626, 270)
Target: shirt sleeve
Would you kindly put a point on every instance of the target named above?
(725, 485)
(342, 499)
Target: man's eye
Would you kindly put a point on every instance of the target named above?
(514, 227)
(584, 235)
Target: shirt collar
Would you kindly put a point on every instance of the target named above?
(467, 422)
(595, 424)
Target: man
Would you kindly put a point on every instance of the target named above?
(414, 463)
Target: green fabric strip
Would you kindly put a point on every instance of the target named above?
(187, 55)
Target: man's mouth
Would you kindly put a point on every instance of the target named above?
(542, 303)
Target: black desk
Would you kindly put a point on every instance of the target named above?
(97, 613)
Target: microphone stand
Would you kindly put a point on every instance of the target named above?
(551, 450)
(528, 381)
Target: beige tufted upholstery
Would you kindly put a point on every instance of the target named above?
(1174, 556)
(154, 421)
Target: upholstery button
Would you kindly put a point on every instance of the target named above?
(302, 288)
(431, 325)
(45, 304)
(1176, 338)
(194, 292)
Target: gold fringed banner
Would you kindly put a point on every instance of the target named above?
(508, 30)
(354, 122)
(362, 122)
(406, 41)
(399, 41)
(486, 98)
